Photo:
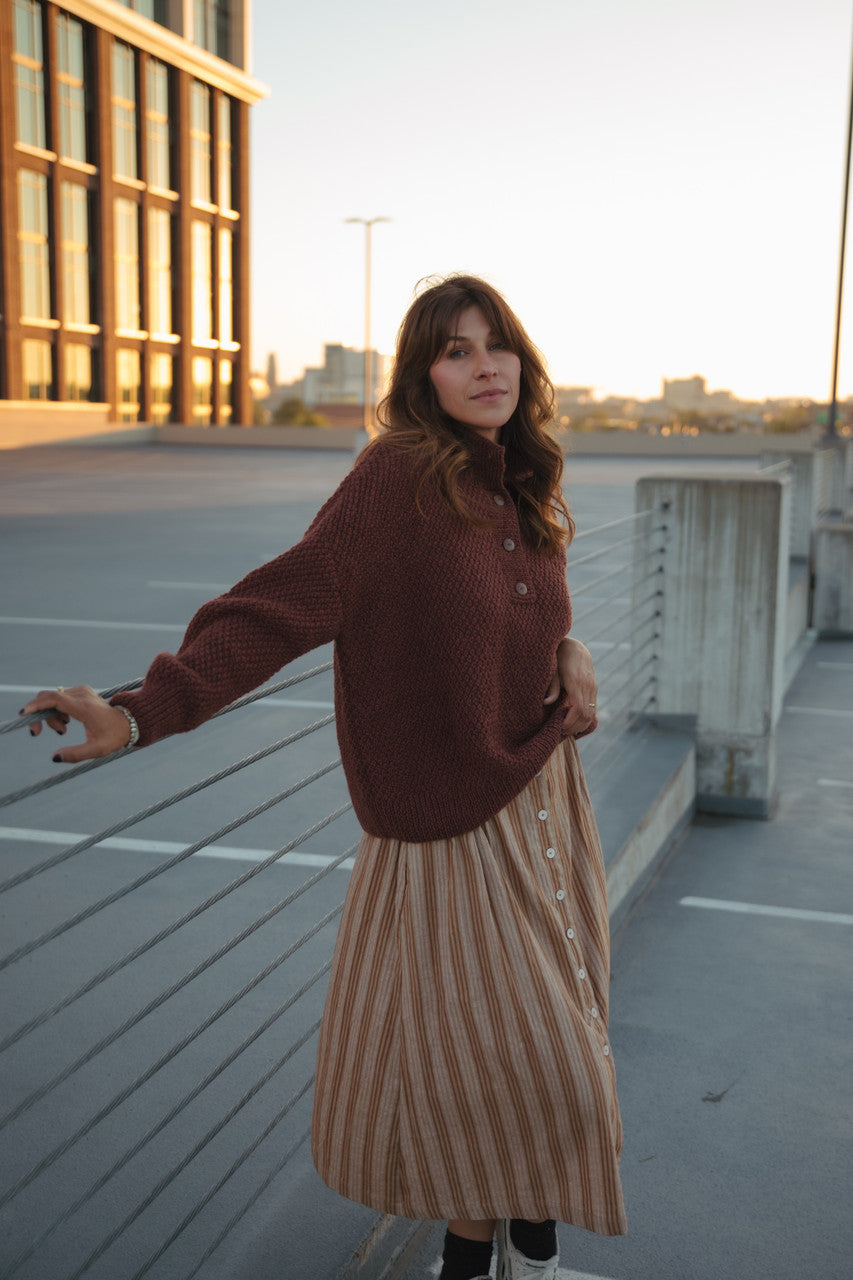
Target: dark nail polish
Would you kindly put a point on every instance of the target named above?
(32, 731)
(57, 759)
(21, 712)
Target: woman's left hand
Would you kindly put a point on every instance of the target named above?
(575, 674)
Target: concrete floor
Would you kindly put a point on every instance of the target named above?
(733, 1031)
(749, 1009)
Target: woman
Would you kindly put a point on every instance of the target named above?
(463, 1066)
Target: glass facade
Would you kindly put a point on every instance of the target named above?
(161, 373)
(212, 26)
(76, 305)
(37, 355)
(157, 126)
(127, 264)
(226, 286)
(28, 61)
(223, 152)
(79, 380)
(202, 391)
(202, 323)
(70, 88)
(160, 271)
(125, 161)
(92, 297)
(226, 379)
(199, 142)
(33, 246)
(128, 385)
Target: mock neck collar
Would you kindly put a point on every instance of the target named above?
(488, 459)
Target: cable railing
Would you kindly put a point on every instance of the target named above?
(157, 1053)
(617, 614)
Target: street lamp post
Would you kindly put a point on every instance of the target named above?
(833, 404)
(367, 223)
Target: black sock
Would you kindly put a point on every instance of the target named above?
(536, 1240)
(465, 1259)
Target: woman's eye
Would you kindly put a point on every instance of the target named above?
(498, 346)
(457, 352)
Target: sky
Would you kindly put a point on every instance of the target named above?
(654, 185)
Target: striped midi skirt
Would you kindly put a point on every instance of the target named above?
(464, 1069)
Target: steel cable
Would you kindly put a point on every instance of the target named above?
(612, 524)
(86, 913)
(608, 600)
(122, 1096)
(627, 567)
(178, 1168)
(613, 546)
(158, 807)
(247, 1204)
(67, 1072)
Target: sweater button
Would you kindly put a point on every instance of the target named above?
(521, 588)
(499, 499)
(508, 544)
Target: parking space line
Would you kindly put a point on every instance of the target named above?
(302, 703)
(192, 586)
(835, 666)
(834, 782)
(99, 626)
(167, 848)
(757, 909)
(821, 711)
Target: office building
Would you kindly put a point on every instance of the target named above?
(124, 181)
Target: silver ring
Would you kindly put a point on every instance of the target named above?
(60, 688)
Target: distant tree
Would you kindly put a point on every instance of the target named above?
(293, 413)
(260, 415)
(795, 417)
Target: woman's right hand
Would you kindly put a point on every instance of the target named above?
(107, 728)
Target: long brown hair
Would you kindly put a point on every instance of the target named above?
(413, 419)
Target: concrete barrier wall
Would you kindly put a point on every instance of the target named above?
(833, 603)
(724, 627)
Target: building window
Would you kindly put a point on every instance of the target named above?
(127, 264)
(79, 380)
(199, 142)
(125, 163)
(71, 91)
(226, 286)
(28, 60)
(128, 385)
(202, 390)
(37, 361)
(157, 124)
(160, 271)
(33, 246)
(161, 388)
(154, 9)
(224, 154)
(226, 403)
(75, 254)
(212, 26)
(202, 326)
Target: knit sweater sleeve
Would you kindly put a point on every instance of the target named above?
(236, 642)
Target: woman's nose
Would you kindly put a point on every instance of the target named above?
(486, 365)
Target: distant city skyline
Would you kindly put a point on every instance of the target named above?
(655, 188)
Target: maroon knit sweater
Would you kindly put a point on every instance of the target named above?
(445, 642)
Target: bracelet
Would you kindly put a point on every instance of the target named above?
(134, 727)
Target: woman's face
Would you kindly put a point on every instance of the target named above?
(476, 378)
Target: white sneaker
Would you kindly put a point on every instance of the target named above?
(513, 1265)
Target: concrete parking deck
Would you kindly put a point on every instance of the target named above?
(731, 1024)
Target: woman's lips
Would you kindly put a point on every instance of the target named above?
(488, 396)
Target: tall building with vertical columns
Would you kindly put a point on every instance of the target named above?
(124, 229)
